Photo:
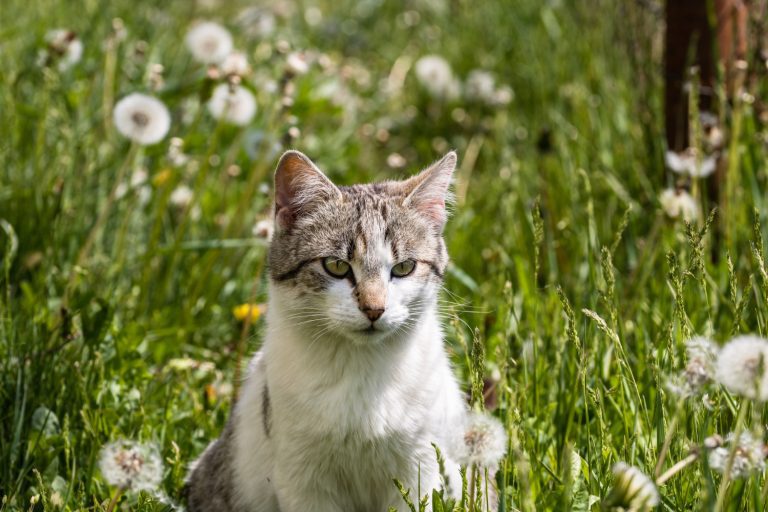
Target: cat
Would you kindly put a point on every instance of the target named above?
(352, 384)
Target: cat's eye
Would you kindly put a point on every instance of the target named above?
(403, 268)
(336, 267)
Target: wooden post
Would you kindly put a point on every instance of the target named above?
(690, 41)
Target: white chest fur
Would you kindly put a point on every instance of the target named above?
(343, 420)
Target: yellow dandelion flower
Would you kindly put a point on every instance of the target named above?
(252, 311)
(161, 177)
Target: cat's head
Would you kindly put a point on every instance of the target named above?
(363, 262)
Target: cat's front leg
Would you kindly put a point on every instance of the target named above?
(292, 499)
(306, 492)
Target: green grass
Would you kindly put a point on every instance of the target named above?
(565, 270)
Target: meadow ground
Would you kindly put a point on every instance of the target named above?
(123, 265)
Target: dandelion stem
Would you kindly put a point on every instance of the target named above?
(115, 498)
(101, 220)
(667, 442)
(110, 68)
(731, 457)
(184, 216)
(677, 467)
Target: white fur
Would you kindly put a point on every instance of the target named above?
(350, 411)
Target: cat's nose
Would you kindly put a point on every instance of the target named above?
(373, 314)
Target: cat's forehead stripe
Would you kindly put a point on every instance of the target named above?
(370, 226)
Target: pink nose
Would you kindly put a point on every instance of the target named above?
(373, 314)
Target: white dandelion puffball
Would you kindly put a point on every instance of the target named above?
(256, 22)
(66, 46)
(209, 42)
(235, 64)
(181, 196)
(702, 354)
(503, 95)
(143, 119)
(131, 466)
(297, 63)
(480, 86)
(482, 441)
(741, 367)
(234, 104)
(687, 162)
(679, 203)
(435, 75)
(264, 229)
(632, 489)
(749, 456)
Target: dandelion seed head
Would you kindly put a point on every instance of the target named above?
(209, 42)
(707, 118)
(436, 77)
(503, 95)
(264, 229)
(700, 368)
(396, 161)
(715, 137)
(679, 203)
(632, 489)
(748, 458)
(57, 501)
(235, 64)
(480, 86)
(483, 441)
(131, 466)
(66, 46)
(256, 22)
(688, 162)
(741, 367)
(186, 363)
(181, 196)
(232, 103)
(141, 118)
(297, 63)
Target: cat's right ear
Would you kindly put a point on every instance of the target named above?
(298, 185)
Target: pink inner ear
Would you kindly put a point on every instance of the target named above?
(283, 215)
(434, 209)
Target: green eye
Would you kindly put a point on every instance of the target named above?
(336, 267)
(403, 268)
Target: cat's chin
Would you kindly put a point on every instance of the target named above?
(370, 335)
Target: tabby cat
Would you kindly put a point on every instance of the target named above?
(352, 384)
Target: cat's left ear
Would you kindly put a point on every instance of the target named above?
(428, 191)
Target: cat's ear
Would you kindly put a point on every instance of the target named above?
(299, 184)
(428, 191)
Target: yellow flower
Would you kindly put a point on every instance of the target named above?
(161, 177)
(252, 311)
